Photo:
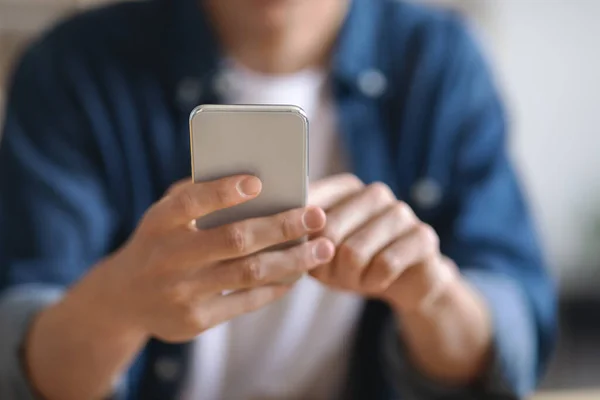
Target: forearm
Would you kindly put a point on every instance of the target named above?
(450, 340)
(79, 347)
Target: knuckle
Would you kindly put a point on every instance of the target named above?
(251, 271)
(389, 263)
(197, 321)
(222, 195)
(185, 203)
(302, 257)
(351, 256)
(428, 237)
(177, 297)
(235, 240)
(331, 233)
(380, 191)
(402, 211)
(426, 232)
(182, 305)
(382, 286)
(353, 181)
(387, 269)
(286, 227)
(377, 284)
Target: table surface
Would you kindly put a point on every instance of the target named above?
(569, 395)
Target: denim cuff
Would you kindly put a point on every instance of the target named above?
(512, 371)
(18, 307)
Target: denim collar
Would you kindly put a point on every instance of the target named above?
(196, 57)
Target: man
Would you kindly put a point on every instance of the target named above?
(426, 279)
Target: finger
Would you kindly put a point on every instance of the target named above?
(223, 308)
(187, 201)
(418, 246)
(357, 251)
(250, 236)
(347, 217)
(330, 191)
(264, 268)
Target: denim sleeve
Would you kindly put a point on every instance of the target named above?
(55, 212)
(484, 224)
(18, 305)
(489, 230)
(511, 374)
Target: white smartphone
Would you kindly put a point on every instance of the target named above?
(267, 141)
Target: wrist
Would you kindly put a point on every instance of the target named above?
(437, 335)
(104, 300)
(89, 332)
(438, 293)
(455, 295)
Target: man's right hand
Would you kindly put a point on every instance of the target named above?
(167, 282)
(173, 274)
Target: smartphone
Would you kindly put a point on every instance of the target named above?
(267, 141)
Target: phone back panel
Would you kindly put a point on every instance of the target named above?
(270, 142)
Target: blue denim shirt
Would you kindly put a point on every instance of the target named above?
(96, 130)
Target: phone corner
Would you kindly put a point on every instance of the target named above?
(299, 112)
(197, 110)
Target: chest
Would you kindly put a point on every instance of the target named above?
(349, 131)
(280, 351)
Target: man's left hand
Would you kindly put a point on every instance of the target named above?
(383, 249)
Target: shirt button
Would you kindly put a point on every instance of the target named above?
(427, 193)
(372, 83)
(189, 92)
(167, 369)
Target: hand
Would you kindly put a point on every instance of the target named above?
(170, 276)
(383, 249)
(167, 282)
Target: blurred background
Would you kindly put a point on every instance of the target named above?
(547, 59)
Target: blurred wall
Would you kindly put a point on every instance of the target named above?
(548, 65)
(550, 60)
(547, 57)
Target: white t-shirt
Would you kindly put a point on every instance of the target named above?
(299, 347)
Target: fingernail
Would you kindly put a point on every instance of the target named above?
(249, 186)
(313, 219)
(323, 251)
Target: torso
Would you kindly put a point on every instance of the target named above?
(283, 350)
